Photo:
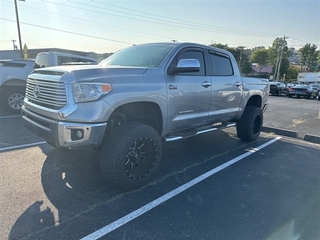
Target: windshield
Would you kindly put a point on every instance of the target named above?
(138, 56)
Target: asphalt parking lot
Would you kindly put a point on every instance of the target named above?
(213, 186)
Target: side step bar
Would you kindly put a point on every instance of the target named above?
(193, 132)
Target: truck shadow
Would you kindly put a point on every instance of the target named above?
(74, 187)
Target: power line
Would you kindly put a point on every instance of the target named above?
(184, 21)
(176, 22)
(299, 40)
(64, 31)
(161, 22)
(98, 24)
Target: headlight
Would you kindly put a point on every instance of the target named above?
(86, 92)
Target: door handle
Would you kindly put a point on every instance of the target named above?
(206, 84)
(173, 87)
(238, 84)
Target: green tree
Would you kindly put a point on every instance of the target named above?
(292, 73)
(260, 56)
(309, 57)
(278, 45)
(279, 51)
(285, 64)
(318, 60)
(246, 67)
(219, 45)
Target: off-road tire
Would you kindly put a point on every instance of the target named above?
(12, 99)
(250, 124)
(130, 155)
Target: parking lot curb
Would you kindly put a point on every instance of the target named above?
(293, 134)
(280, 131)
(312, 138)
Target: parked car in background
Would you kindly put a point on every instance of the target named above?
(278, 88)
(292, 84)
(13, 77)
(305, 91)
(14, 74)
(315, 87)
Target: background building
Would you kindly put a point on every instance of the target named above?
(32, 53)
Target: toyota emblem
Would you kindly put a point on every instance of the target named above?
(36, 91)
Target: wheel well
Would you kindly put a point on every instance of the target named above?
(13, 83)
(255, 101)
(145, 112)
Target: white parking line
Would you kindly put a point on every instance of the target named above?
(131, 216)
(10, 116)
(21, 146)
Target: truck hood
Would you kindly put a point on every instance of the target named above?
(89, 72)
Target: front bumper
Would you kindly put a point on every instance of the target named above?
(265, 107)
(64, 134)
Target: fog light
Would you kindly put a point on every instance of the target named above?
(79, 134)
(76, 134)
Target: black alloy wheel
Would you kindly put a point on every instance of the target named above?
(130, 155)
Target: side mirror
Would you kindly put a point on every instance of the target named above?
(186, 65)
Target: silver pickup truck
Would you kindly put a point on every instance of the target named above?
(138, 97)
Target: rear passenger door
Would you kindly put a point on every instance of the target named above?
(189, 94)
(226, 87)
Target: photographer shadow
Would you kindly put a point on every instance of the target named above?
(72, 184)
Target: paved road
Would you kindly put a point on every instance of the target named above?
(269, 193)
(298, 115)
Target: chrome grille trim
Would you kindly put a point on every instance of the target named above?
(51, 93)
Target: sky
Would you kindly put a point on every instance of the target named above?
(104, 26)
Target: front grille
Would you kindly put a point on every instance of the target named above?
(46, 93)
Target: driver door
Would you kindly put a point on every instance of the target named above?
(189, 94)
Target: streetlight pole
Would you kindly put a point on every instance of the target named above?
(18, 25)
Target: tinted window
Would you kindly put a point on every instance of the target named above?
(42, 60)
(221, 65)
(64, 59)
(138, 56)
(192, 54)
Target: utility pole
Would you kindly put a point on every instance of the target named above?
(18, 25)
(280, 59)
(276, 68)
(240, 60)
